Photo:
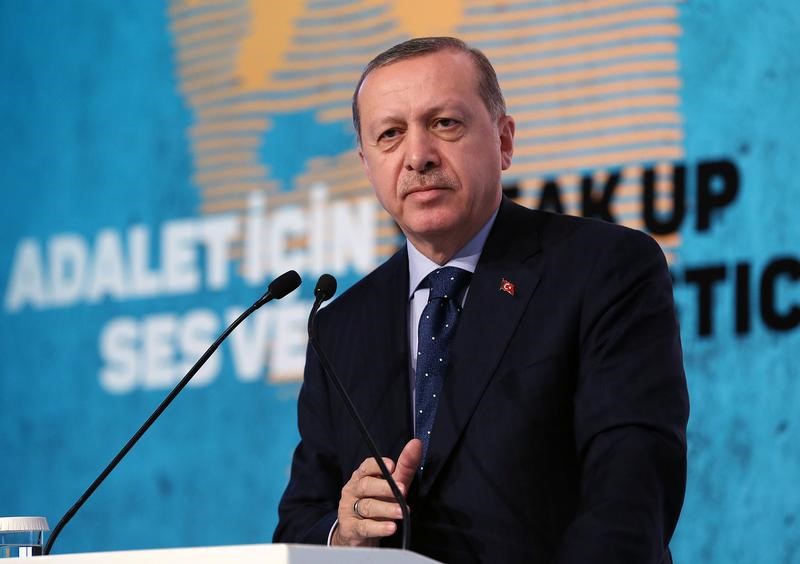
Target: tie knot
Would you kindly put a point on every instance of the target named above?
(448, 281)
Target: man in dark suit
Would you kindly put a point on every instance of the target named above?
(555, 430)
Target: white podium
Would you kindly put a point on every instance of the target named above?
(245, 554)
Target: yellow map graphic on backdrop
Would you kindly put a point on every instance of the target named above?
(593, 85)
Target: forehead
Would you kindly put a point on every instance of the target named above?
(442, 77)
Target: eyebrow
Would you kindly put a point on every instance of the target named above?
(459, 109)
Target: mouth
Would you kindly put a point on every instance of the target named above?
(423, 189)
(417, 189)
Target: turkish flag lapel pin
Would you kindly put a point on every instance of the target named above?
(508, 287)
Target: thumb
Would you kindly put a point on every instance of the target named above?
(407, 464)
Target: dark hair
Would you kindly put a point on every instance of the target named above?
(488, 86)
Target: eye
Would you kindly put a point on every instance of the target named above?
(389, 134)
(448, 129)
(445, 123)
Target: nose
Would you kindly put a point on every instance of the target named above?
(421, 153)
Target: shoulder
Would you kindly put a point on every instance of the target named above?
(387, 279)
(559, 232)
(570, 248)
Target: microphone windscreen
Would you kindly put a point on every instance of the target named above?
(326, 287)
(284, 284)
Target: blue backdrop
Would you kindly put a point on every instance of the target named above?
(161, 162)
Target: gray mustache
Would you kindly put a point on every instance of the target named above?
(435, 177)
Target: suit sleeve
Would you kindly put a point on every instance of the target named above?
(631, 409)
(308, 508)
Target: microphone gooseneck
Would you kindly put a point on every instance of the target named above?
(324, 290)
(278, 288)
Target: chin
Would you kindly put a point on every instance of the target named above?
(434, 227)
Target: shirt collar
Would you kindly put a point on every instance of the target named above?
(419, 266)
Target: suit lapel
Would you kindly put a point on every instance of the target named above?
(387, 417)
(487, 324)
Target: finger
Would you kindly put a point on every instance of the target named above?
(370, 487)
(360, 531)
(376, 509)
(370, 467)
(407, 464)
(353, 530)
(367, 480)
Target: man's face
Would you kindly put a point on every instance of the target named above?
(431, 149)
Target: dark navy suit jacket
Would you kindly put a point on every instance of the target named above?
(560, 434)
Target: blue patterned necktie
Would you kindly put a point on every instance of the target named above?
(436, 329)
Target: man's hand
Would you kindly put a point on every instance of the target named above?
(377, 508)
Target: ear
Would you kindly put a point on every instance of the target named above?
(364, 164)
(506, 128)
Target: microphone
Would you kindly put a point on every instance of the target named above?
(278, 288)
(324, 290)
(284, 284)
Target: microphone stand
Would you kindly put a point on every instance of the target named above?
(282, 285)
(326, 287)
